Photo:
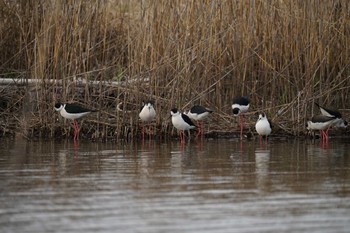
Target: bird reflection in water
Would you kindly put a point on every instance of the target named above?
(262, 160)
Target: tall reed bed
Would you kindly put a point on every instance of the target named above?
(284, 55)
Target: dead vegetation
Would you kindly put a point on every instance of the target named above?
(284, 55)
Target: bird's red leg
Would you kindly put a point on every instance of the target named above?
(202, 130)
(76, 129)
(242, 124)
(183, 136)
(75, 135)
(150, 132)
(323, 136)
(199, 129)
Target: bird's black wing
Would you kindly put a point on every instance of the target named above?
(187, 119)
(74, 108)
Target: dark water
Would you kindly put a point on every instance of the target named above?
(217, 186)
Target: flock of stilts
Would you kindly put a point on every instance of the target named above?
(184, 121)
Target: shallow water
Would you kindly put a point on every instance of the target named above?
(214, 186)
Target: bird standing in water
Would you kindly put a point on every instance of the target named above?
(263, 126)
(147, 115)
(199, 113)
(73, 112)
(339, 122)
(239, 107)
(181, 122)
(321, 123)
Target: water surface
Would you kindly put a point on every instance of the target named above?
(214, 186)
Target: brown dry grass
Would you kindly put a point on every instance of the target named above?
(283, 54)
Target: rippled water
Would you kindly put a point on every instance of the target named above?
(214, 186)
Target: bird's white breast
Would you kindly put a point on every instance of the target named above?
(179, 123)
(263, 127)
(147, 114)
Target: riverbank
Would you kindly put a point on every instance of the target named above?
(284, 55)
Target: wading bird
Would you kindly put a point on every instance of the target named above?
(199, 113)
(147, 115)
(263, 126)
(73, 112)
(321, 123)
(181, 122)
(339, 122)
(239, 107)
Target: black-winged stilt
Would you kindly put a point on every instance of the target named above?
(321, 123)
(239, 107)
(330, 112)
(199, 113)
(73, 112)
(263, 126)
(181, 122)
(147, 115)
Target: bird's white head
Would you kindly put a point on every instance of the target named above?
(149, 105)
(341, 123)
(308, 125)
(262, 116)
(236, 111)
(345, 124)
(58, 107)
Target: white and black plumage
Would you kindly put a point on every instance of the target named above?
(199, 113)
(263, 126)
(73, 112)
(181, 122)
(239, 107)
(321, 123)
(147, 114)
(330, 112)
